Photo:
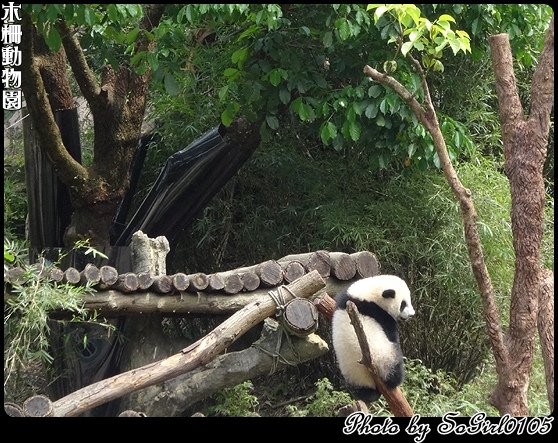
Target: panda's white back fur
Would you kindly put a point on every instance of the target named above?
(347, 349)
(386, 353)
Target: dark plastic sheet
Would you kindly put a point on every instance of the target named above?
(187, 182)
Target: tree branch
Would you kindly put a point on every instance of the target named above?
(82, 72)
(397, 402)
(542, 86)
(425, 88)
(506, 87)
(70, 172)
(469, 215)
(390, 82)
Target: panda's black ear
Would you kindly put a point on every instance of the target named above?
(388, 293)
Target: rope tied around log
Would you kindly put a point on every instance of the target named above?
(279, 299)
(296, 317)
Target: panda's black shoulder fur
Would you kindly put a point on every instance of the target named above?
(372, 310)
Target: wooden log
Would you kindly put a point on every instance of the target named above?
(198, 282)
(113, 303)
(109, 275)
(215, 282)
(199, 353)
(162, 284)
(250, 281)
(233, 284)
(180, 281)
(56, 274)
(13, 410)
(270, 273)
(367, 264)
(292, 270)
(397, 402)
(325, 305)
(232, 368)
(72, 276)
(318, 260)
(127, 282)
(343, 267)
(149, 254)
(145, 281)
(90, 274)
(38, 406)
(358, 406)
(300, 317)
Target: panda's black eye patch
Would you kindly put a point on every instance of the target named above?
(388, 293)
(403, 306)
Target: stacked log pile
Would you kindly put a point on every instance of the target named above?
(268, 274)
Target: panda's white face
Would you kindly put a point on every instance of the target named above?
(389, 292)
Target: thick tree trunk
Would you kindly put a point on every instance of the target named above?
(525, 143)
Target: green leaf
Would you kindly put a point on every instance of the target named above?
(239, 56)
(327, 39)
(446, 18)
(223, 92)
(284, 96)
(406, 47)
(419, 46)
(53, 39)
(276, 75)
(231, 72)
(332, 129)
(414, 35)
(381, 121)
(475, 26)
(379, 12)
(383, 105)
(171, 85)
(374, 91)
(305, 30)
(328, 132)
(354, 130)
(132, 35)
(344, 29)
(371, 110)
(229, 113)
(272, 122)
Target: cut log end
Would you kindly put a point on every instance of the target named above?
(366, 264)
(38, 406)
(300, 317)
(270, 273)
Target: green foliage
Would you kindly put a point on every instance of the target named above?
(426, 37)
(324, 403)
(15, 199)
(236, 402)
(26, 312)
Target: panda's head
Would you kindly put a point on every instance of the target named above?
(389, 292)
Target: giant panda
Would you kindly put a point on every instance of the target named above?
(381, 301)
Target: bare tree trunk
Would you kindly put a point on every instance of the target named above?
(525, 143)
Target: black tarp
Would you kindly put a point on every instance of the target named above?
(187, 182)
